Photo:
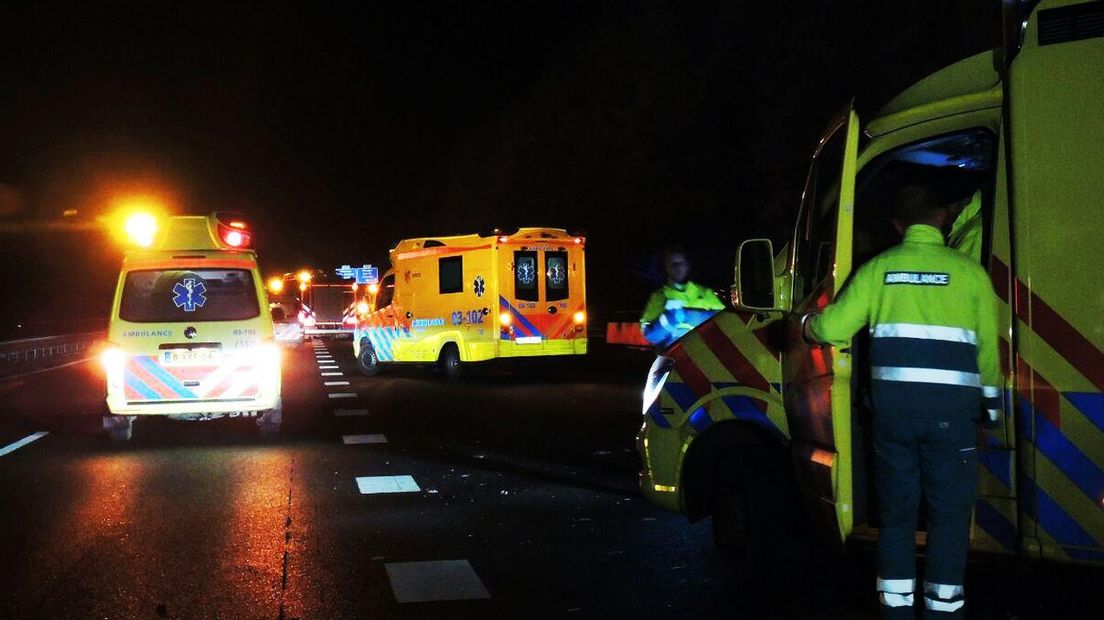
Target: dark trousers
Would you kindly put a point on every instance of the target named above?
(936, 459)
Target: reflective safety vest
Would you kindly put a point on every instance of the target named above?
(932, 315)
(675, 309)
(965, 235)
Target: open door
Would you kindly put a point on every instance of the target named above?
(817, 379)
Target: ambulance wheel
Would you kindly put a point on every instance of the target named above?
(752, 508)
(118, 427)
(450, 362)
(368, 360)
(270, 421)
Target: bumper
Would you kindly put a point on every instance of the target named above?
(119, 406)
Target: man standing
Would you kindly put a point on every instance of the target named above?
(932, 315)
(679, 306)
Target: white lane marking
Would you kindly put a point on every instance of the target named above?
(444, 580)
(328, 367)
(352, 440)
(371, 485)
(335, 383)
(12, 447)
(342, 395)
(332, 374)
(345, 413)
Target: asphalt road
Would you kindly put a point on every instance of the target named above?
(512, 496)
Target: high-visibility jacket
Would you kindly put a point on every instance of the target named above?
(675, 309)
(932, 315)
(965, 235)
(678, 296)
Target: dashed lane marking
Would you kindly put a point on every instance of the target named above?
(341, 395)
(346, 413)
(332, 374)
(354, 440)
(12, 447)
(328, 367)
(445, 580)
(372, 485)
(335, 383)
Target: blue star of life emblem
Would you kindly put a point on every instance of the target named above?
(189, 294)
(526, 272)
(479, 286)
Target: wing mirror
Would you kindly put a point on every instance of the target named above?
(756, 287)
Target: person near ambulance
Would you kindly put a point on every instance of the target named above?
(932, 315)
(965, 231)
(679, 306)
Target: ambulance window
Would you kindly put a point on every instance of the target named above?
(555, 270)
(168, 296)
(386, 292)
(817, 230)
(450, 271)
(525, 276)
(959, 167)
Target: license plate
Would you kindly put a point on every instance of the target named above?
(191, 357)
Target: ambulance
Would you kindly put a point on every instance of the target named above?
(191, 334)
(456, 300)
(745, 422)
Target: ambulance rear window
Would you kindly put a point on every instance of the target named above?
(555, 269)
(179, 295)
(525, 276)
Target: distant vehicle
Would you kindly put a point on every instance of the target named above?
(191, 333)
(327, 306)
(742, 416)
(285, 318)
(471, 298)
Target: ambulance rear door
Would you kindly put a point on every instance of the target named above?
(542, 288)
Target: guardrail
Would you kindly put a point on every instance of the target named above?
(18, 356)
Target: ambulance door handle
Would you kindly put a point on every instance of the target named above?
(409, 314)
(551, 309)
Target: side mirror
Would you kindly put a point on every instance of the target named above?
(754, 286)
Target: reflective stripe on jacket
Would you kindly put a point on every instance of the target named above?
(933, 320)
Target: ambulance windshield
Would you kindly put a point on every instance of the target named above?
(167, 296)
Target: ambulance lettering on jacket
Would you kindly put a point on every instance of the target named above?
(920, 278)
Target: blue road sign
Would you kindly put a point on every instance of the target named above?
(363, 275)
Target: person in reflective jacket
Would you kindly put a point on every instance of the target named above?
(679, 306)
(932, 315)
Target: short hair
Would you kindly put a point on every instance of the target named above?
(917, 204)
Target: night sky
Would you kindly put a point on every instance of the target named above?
(339, 128)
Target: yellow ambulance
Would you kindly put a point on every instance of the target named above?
(472, 298)
(742, 416)
(190, 334)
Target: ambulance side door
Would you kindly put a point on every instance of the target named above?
(816, 379)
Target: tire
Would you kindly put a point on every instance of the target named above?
(368, 361)
(270, 421)
(118, 428)
(753, 509)
(450, 362)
